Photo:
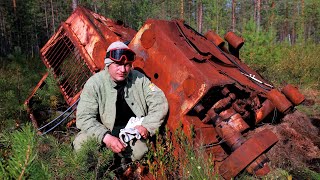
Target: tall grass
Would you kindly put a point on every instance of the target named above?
(299, 65)
(30, 156)
(179, 161)
(18, 76)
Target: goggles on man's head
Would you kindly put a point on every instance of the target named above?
(118, 55)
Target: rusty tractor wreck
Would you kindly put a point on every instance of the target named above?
(210, 90)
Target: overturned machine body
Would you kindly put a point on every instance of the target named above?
(212, 94)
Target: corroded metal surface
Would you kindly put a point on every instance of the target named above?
(280, 101)
(215, 38)
(247, 153)
(293, 94)
(211, 92)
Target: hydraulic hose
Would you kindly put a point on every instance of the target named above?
(57, 118)
(58, 122)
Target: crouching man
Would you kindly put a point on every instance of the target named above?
(113, 96)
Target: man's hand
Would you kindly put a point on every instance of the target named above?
(113, 143)
(143, 131)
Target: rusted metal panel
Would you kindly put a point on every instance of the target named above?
(96, 33)
(234, 40)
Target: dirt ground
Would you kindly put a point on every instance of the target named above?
(298, 147)
(299, 142)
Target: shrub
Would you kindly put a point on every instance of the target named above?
(22, 150)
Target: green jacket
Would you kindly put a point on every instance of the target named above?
(96, 109)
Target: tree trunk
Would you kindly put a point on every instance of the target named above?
(233, 15)
(295, 22)
(181, 9)
(52, 18)
(36, 41)
(46, 17)
(2, 24)
(258, 14)
(217, 16)
(303, 35)
(14, 6)
(200, 12)
(95, 6)
(190, 14)
(74, 4)
(255, 11)
(273, 5)
(163, 10)
(286, 24)
(2, 31)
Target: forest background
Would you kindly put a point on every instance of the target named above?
(281, 43)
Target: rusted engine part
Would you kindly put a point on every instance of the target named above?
(293, 94)
(77, 50)
(282, 101)
(225, 117)
(235, 43)
(205, 83)
(248, 152)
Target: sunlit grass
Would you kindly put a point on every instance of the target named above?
(179, 161)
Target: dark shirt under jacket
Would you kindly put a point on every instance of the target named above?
(123, 111)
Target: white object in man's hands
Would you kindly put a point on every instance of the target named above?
(129, 132)
(134, 121)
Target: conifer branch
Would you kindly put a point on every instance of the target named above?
(25, 163)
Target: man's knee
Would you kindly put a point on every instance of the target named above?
(139, 149)
(80, 138)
